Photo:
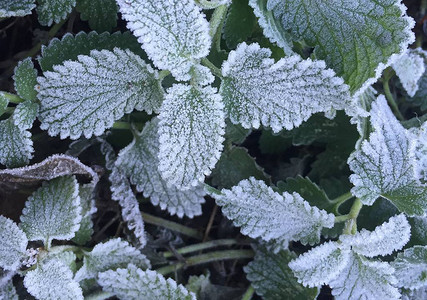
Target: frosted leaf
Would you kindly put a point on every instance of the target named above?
(409, 68)
(87, 203)
(211, 4)
(320, 265)
(411, 268)
(4, 101)
(202, 75)
(52, 280)
(261, 212)
(174, 33)
(50, 11)
(384, 240)
(280, 95)
(363, 279)
(8, 292)
(16, 8)
(24, 115)
(25, 78)
(190, 133)
(112, 254)
(421, 154)
(133, 283)
(53, 211)
(16, 145)
(364, 37)
(414, 294)
(272, 26)
(101, 14)
(88, 95)
(68, 258)
(384, 166)
(139, 161)
(13, 243)
(272, 279)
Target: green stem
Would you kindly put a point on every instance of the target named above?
(163, 74)
(217, 72)
(343, 198)
(206, 258)
(150, 219)
(249, 293)
(391, 101)
(203, 246)
(340, 219)
(12, 98)
(351, 224)
(99, 295)
(122, 125)
(212, 190)
(215, 25)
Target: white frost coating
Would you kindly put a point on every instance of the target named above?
(140, 162)
(411, 268)
(384, 166)
(261, 212)
(202, 75)
(112, 254)
(16, 146)
(421, 154)
(384, 240)
(211, 4)
(88, 95)
(13, 243)
(191, 133)
(281, 95)
(320, 265)
(409, 68)
(16, 8)
(25, 114)
(53, 211)
(52, 279)
(8, 291)
(174, 33)
(133, 283)
(50, 11)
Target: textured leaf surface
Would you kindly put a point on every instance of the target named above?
(360, 41)
(409, 68)
(53, 211)
(13, 243)
(280, 95)
(8, 292)
(134, 284)
(25, 78)
(16, 145)
(3, 103)
(421, 153)
(272, 279)
(139, 161)
(50, 11)
(88, 95)
(190, 134)
(87, 203)
(25, 114)
(411, 268)
(52, 280)
(101, 14)
(261, 212)
(420, 97)
(384, 166)
(16, 8)
(174, 33)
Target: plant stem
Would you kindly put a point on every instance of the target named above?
(121, 125)
(340, 219)
(12, 98)
(163, 74)
(217, 72)
(150, 219)
(212, 190)
(343, 198)
(249, 293)
(391, 101)
(206, 258)
(99, 295)
(215, 25)
(203, 246)
(351, 224)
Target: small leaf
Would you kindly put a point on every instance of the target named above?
(53, 211)
(239, 23)
(261, 212)
(25, 114)
(201, 75)
(101, 14)
(25, 78)
(52, 280)
(16, 8)
(272, 279)
(134, 284)
(16, 145)
(3, 103)
(13, 243)
(190, 134)
(409, 68)
(80, 98)
(420, 97)
(50, 11)
(87, 203)
(281, 95)
(174, 33)
(411, 268)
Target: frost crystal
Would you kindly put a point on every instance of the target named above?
(87, 203)
(50, 11)
(421, 154)
(16, 8)
(174, 33)
(139, 161)
(261, 212)
(88, 95)
(16, 145)
(25, 78)
(13, 243)
(411, 268)
(280, 95)
(190, 133)
(134, 284)
(409, 68)
(24, 115)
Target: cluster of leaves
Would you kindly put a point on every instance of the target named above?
(283, 63)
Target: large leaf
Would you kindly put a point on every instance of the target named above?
(16, 145)
(261, 212)
(360, 41)
(53, 211)
(50, 11)
(280, 95)
(101, 14)
(190, 134)
(133, 283)
(174, 33)
(18, 8)
(140, 162)
(88, 95)
(25, 78)
(13, 243)
(411, 268)
(384, 166)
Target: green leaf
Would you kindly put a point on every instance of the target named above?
(88, 95)
(25, 114)
(53, 211)
(16, 8)
(235, 133)
(134, 284)
(87, 203)
(13, 243)
(50, 11)
(25, 79)
(272, 279)
(359, 44)
(411, 268)
(418, 230)
(409, 68)
(16, 145)
(239, 23)
(4, 101)
(71, 46)
(101, 14)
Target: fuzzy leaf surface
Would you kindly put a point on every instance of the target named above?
(16, 8)
(101, 14)
(13, 243)
(281, 95)
(409, 68)
(50, 11)
(25, 114)
(16, 145)
(25, 78)
(411, 268)
(87, 203)
(88, 95)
